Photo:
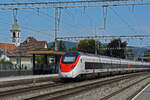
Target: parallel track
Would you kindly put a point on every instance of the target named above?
(127, 87)
(27, 89)
(63, 93)
(132, 96)
(26, 82)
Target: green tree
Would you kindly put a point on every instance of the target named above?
(41, 59)
(116, 48)
(88, 46)
(5, 62)
(61, 46)
(101, 50)
(74, 48)
(51, 47)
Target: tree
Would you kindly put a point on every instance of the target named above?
(116, 48)
(40, 59)
(88, 46)
(3, 61)
(52, 46)
(74, 48)
(61, 46)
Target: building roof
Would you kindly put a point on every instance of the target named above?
(6, 47)
(32, 44)
(28, 45)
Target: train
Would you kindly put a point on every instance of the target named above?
(78, 64)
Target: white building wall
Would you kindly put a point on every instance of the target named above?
(13, 60)
(24, 60)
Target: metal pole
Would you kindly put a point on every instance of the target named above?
(15, 16)
(95, 41)
(95, 47)
(56, 26)
(57, 22)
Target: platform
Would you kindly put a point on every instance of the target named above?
(16, 79)
(144, 94)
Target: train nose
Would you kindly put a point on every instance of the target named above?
(66, 68)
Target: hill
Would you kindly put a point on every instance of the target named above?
(138, 51)
(67, 44)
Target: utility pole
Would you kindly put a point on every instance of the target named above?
(125, 50)
(56, 19)
(57, 23)
(95, 42)
(141, 40)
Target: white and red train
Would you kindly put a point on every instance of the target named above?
(76, 64)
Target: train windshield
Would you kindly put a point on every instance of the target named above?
(69, 58)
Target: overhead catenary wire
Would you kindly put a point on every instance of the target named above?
(32, 0)
(122, 19)
(26, 28)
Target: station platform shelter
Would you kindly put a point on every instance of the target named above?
(49, 61)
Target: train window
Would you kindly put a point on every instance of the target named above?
(81, 60)
(68, 59)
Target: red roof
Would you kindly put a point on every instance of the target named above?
(7, 47)
(28, 45)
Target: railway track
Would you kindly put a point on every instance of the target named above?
(63, 93)
(26, 82)
(132, 96)
(30, 88)
(59, 93)
(125, 88)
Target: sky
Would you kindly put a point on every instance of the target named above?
(78, 22)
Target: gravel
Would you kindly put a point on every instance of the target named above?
(99, 93)
(94, 94)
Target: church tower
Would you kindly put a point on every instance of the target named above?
(15, 30)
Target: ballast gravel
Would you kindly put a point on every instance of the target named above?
(99, 93)
(94, 94)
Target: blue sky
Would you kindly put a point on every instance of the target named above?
(78, 22)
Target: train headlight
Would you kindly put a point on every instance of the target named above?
(73, 66)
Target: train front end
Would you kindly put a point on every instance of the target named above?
(69, 65)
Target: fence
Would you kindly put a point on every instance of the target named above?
(45, 69)
(27, 69)
(15, 67)
(15, 70)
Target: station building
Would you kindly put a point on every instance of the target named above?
(21, 56)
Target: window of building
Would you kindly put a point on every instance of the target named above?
(14, 34)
